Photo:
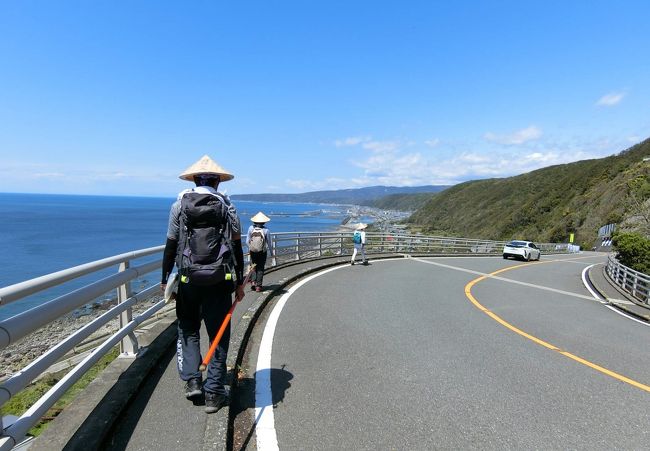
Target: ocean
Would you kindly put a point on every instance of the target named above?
(44, 233)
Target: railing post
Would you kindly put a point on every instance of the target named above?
(129, 344)
(273, 247)
(298, 246)
(320, 245)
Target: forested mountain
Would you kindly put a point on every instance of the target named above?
(357, 196)
(402, 202)
(547, 204)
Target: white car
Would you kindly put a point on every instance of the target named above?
(521, 249)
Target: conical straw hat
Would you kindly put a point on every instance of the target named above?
(260, 217)
(206, 165)
(362, 226)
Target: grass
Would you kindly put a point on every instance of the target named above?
(26, 398)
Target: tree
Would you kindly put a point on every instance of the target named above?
(633, 251)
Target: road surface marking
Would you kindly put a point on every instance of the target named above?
(503, 279)
(588, 285)
(468, 293)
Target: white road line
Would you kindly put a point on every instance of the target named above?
(568, 293)
(588, 286)
(264, 420)
(605, 301)
(503, 279)
(267, 439)
(614, 309)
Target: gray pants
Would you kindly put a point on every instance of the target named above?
(208, 304)
(259, 259)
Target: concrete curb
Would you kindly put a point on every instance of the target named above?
(598, 282)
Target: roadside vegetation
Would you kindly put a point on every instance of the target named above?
(23, 400)
(549, 204)
(633, 251)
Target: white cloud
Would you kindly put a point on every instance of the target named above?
(432, 142)
(611, 99)
(313, 185)
(403, 163)
(516, 138)
(366, 142)
(48, 175)
(351, 141)
(381, 146)
(298, 184)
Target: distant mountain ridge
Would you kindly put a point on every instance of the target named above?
(355, 196)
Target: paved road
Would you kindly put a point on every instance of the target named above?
(426, 354)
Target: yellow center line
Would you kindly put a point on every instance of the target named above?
(498, 319)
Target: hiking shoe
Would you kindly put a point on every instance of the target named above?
(214, 402)
(193, 388)
(352, 263)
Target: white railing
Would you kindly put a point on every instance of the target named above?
(633, 282)
(22, 324)
(287, 249)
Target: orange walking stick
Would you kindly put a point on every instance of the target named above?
(222, 329)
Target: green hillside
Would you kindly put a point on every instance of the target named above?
(402, 202)
(545, 205)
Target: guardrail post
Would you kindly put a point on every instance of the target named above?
(274, 260)
(320, 246)
(129, 344)
(298, 246)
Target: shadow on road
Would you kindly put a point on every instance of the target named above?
(244, 399)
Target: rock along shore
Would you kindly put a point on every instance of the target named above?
(18, 355)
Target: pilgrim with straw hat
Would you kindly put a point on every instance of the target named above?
(206, 299)
(258, 240)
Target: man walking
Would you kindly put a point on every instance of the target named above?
(204, 241)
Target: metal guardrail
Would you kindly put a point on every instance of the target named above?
(633, 282)
(17, 327)
(299, 246)
(286, 249)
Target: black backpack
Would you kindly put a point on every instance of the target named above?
(205, 255)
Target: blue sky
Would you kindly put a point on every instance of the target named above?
(119, 97)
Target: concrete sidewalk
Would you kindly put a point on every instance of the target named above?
(615, 295)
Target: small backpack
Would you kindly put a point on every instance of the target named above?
(257, 243)
(205, 255)
(356, 238)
